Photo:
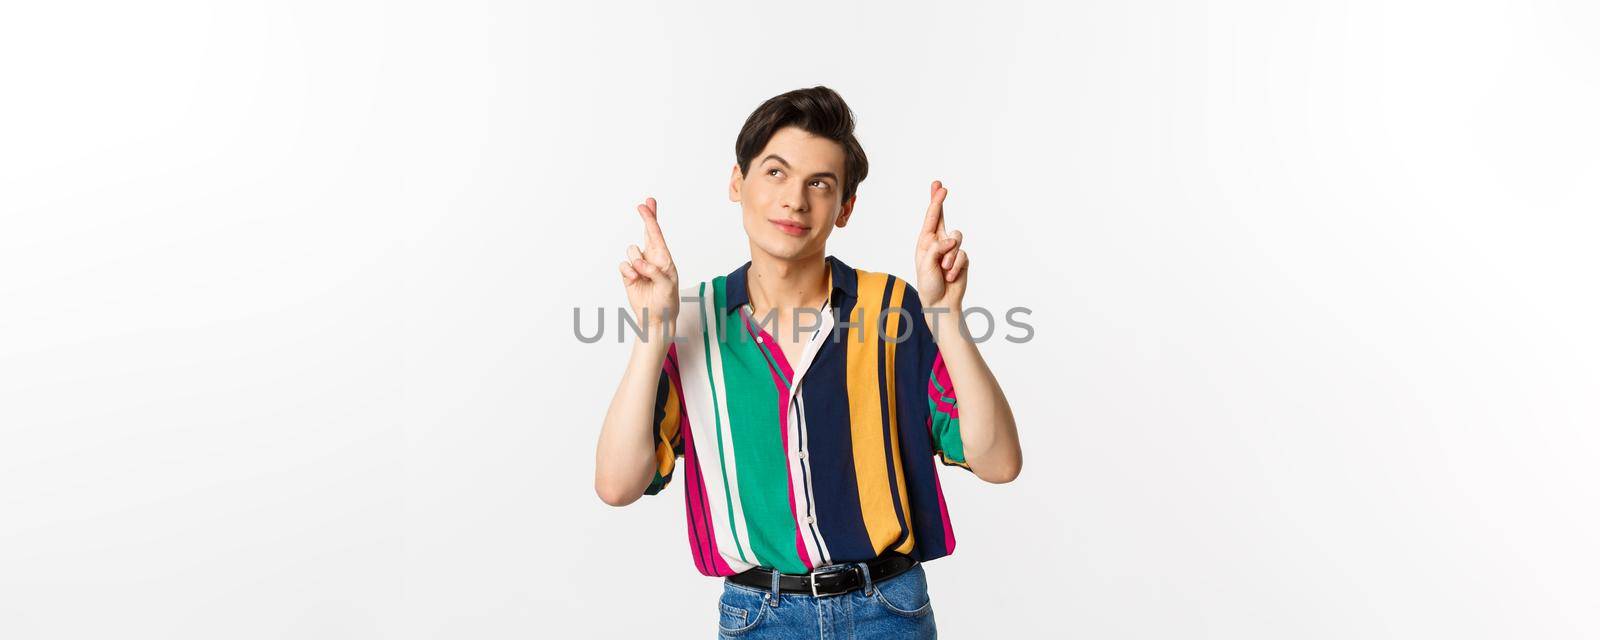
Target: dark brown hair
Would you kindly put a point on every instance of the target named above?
(818, 111)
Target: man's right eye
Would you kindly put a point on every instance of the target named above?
(771, 171)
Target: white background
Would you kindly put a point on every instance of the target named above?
(286, 297)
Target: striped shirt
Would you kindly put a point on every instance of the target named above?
(791, 466)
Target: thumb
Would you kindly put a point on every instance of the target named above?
(935, 254)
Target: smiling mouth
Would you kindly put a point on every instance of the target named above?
(789, 227)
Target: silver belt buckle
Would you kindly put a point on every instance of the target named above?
(813, 577)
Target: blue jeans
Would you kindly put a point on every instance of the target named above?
(893, 608)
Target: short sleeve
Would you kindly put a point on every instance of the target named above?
(665, 423)
(944, 416)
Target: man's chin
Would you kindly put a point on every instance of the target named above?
(786, 248)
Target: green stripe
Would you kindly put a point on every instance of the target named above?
(946, 432)
(657, 483)
(758, 446)
(711, 373)
(946, 429)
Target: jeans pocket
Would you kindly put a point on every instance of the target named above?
(905, 594)
(740, 610)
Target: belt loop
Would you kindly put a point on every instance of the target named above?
(775, 595)
(867, 576)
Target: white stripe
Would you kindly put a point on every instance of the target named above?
(714, 337)
(814, 538)
(800, 436)
(797, 483)
(692, 372)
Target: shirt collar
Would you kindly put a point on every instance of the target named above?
(737, 287)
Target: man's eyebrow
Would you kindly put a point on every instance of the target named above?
(824, 174)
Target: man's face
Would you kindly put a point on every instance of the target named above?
(791, 195)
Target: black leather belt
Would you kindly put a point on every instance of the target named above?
(831, 580)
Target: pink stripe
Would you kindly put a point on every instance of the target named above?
(944, 402)
(944, 515)
(691, 506)
(772, 345)
(701, 532)
(693, 486)
(695, 497)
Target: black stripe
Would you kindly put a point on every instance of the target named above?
(832, 454)
(883, 405)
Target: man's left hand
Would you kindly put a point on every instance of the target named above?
(941, 262)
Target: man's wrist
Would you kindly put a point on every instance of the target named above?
(943, 321)
(654, 335)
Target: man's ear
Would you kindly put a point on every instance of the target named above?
(734, 183)
(844, 212)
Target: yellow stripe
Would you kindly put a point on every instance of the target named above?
(866, 415)
(668, 428)
(892, 328)
(947, 460)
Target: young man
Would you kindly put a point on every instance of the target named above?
(806, 398)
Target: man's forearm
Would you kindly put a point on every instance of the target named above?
(625, 456)
(988, 430)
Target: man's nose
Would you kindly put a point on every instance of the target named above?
(796, 199)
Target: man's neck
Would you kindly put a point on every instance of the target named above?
(786, 285)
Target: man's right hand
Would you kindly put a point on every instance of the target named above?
(650, 277)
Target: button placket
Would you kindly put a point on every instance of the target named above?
(804, 366)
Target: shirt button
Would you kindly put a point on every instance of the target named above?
(802, 455)
(811, 519)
